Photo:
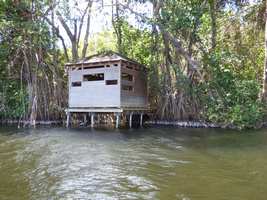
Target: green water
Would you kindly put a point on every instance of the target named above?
(152, 163)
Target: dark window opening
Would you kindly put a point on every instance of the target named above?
(93, 77)
(111, 82)
(94, 67)
(127, 87)
(79, 68)
(76, 84)
(127, 77)
(107, 65)
(115, 65)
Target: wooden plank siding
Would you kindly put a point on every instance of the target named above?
(137, 97)
(95, 93)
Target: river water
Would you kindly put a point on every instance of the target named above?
(149, 163)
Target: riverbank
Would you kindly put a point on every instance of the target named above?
(182, 124)
(27, 122)
(150, 123)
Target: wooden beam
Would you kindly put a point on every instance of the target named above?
(85, 118)
(92, 119)
(141, 119)
(96, 110)
(131, 119)
(68, 119)
(117, 120)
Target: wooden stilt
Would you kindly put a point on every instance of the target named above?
(141, 119)
(68, 120)
(92, 119)
(117, 120)
(120, 117)
(85, 119)
(130, 120)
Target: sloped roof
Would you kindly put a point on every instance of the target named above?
(104, 57)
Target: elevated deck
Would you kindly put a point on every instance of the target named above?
(94, 110)
(108, 110)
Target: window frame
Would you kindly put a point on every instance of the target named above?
(74, 84)
(129, 75)
(111, 82)
(87, 80)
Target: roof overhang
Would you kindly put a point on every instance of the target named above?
(104, 58)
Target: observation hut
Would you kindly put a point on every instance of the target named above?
(107, 83)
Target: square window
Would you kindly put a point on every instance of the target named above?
(111, 82)
(126, 77)
(76, 84)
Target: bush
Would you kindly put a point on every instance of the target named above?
(233, 99)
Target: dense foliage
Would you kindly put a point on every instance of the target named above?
(227, 40)
(30, 68)
(205, 58)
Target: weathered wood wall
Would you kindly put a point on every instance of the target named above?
(94, 93)
(137, 97)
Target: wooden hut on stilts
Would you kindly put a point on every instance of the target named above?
(107, 83)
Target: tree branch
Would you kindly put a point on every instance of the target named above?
(65, 26)
(81, 23)
(56, 29)
(85, 43)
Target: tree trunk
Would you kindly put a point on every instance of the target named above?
(56, 29)
(72, 36)
(74, 49)
(117, 26)
(85, 43)
(264, 91)
(212, 4)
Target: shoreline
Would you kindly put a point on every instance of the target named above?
(27, 122)
(151, 123)
(178, 124)
(182, 124)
